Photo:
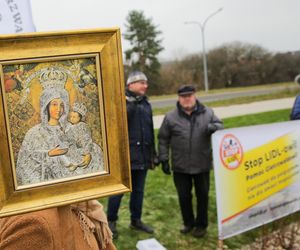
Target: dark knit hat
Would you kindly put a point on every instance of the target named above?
(186, 90)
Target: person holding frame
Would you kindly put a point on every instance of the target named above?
(94, 78)
(74, 227)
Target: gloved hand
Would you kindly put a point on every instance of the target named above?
(211, 128)
(156, 161)
(166, 167)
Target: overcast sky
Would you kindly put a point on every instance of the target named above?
(273, 24)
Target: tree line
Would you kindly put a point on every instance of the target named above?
(229, 65)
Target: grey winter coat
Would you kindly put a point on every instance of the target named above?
(188, 136)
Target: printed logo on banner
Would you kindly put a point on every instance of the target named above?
(231, 152)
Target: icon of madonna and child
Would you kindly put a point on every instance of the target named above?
(61, 145)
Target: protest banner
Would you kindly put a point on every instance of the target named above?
(257, 175)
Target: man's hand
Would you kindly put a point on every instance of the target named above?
(166, 167)
(156, 161)
(211, 128)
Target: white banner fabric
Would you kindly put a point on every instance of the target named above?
(15, 17)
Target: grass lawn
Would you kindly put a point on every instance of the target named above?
(161, 209)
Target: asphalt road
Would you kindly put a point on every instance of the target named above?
(243, 109)
(161, 103)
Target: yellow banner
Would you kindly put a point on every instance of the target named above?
(252, 176)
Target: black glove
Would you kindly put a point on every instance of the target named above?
(165, 167)
(211, 128)
(156, 161)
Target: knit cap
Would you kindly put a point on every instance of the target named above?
(136, 76)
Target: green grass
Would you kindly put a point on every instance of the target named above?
(256, 119)
(161, 209)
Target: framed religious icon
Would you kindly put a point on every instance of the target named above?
(63, 122)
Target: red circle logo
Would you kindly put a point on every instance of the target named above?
(231, 152)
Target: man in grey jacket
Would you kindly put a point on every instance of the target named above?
(187, 131)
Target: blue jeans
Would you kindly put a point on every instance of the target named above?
(136, 197)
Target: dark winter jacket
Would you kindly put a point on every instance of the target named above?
(140, 130)
(295, 114)
(188, 137)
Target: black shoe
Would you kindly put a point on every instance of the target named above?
(139, 225)
(186, 229)
(199, 232)
(113, 227)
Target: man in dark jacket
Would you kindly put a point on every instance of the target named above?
(142, 151)
(295, 114)
(187, 131)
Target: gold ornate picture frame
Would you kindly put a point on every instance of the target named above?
(63, 123)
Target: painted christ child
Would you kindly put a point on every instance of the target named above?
(83, 152)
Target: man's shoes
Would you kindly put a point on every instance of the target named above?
(199, 232)
(186, 229)
(139, 225)
(113, 228)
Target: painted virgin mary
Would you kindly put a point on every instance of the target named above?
(39, 158)
(47, 151)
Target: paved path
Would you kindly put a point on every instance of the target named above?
(243, 109)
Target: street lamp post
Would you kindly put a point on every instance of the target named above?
(202, 27)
